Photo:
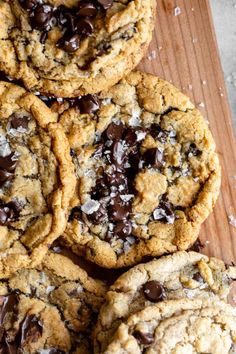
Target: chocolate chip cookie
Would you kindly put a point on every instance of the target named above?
(178, 276)
(49, 309)
(71, 48)
(148, 174)
(177, 327)
(36, 178)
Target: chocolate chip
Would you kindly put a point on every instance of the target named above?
(85, 27)
(75, 214)
(158, 133)
(123, 228)
(69, 43)
(55, 351)
(154, 291)
(31, 330)
(8, 305)
(19, 122)
(115, 131)
(117, 179)
(29, 4)
(130, 137)
(197, 276)
(143, 338)
(8, 163)
(106, 4)
(86, 9)
(5, 176)
(193, 150)
(41, 17)
(154, 158)
(119, 210)
(88, 104)
(9, 212)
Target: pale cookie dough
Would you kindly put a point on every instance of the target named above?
(178, 327)
(36, 179)
(49, 309)
(70, 48)
(148, 173)
(181, 275)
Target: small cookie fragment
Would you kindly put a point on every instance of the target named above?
(183, 275)
(148, 173)
(36, 179)
(178, 326)
(49, 309)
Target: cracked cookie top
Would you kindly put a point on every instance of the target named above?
(148, 174)
(68, 48)
(49, 309)
(188, 275)
(176, 327)
(36, 178)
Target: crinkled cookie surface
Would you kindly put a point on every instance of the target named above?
(36, 179)
(68, 48)
(183, 275)
(49, 309)
(148, 174)
(176, 327)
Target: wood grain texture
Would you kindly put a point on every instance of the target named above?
(187, 55)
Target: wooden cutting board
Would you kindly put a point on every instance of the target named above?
(184, 51)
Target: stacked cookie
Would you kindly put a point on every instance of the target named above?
(102, 166)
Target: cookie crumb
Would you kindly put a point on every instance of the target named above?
(177, 11)
(232, 220)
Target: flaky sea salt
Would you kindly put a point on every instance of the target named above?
(201, 104)
(232, 220)
(152, 55)
(126, 197)
(90, 206)
(177, 11)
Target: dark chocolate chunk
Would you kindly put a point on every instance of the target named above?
(29, 5)
(99, 216)
(130, 137)
(5, 176)
(19, 122)
(7, 347)
(154, 158)
(165, 212)
(88, 104)
(9, 212)
(119, 152)
(84, 27)
(8, 163)
(106, 4)
(158, 133)
(41, 17)
(154, 291)
(86, 9)
(115, 131)
(119, 210)
(143, 338)
(8, 305)
(69, 43)
(123, 228)
(31, 330)
(43, 37)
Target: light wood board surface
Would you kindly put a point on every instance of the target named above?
(187, 55)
